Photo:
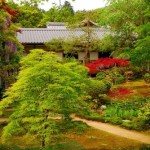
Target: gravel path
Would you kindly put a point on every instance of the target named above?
(117, 130)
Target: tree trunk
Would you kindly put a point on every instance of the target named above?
(45, 115)
(43, 142)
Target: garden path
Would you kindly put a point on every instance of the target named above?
(134, 135)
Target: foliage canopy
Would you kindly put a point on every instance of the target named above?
(45, 87)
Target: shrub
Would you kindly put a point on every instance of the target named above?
(100, 75)
(116, 75)
(136, 73)
(144, 113)
(135, 125)
(129, 110)
(147, 77)
(106, 63)
(96, 92)
(114, 120)
(119, 92)
(97, 87)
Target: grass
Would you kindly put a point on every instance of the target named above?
(91, 139)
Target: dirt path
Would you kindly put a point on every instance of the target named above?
(117, 130)
(3, 120)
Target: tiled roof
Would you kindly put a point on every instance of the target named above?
(42, 35)
(56, 24)
(87, 22)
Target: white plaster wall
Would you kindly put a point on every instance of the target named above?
(93, 55)
(81, 55)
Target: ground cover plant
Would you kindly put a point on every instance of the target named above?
(127, 114)
(120, 92)
(147, 77)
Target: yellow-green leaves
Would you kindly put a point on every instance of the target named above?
(45, 86)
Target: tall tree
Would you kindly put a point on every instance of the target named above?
(140, 56)
(126, 19)
(10, 48)
(45, 87)
(31, 2)
(92, 15)
(29, 16)
(64, 13)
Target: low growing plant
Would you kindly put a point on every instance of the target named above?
(147, 77)
(131, 114)
(144, 113)
(96, 91)
(100, 75)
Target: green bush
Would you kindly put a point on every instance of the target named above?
(94, 116)
(100, 75)
(144, 113)
(136, 73)
(116, 75)
(135, 125)
(147, 77)
(124, 110)
(114, 120)
(96, 93)
(137, 112)
(97, 87)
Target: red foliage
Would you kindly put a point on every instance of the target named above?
(7, 9)
(3, 3)
(105, 63)
(120, 92)
(12, 12)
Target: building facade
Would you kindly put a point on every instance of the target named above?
(34, 38)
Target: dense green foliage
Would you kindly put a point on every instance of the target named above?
(144, 113)
(57, 13)
(129, 23)
(116, 75)
(10, 48)
(29, 16)
(45, 87)
(96, 93)
(62, 13)
(73, 44)
(147, 77)
(131, 114)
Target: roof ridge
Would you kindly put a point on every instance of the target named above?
(73, 29)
